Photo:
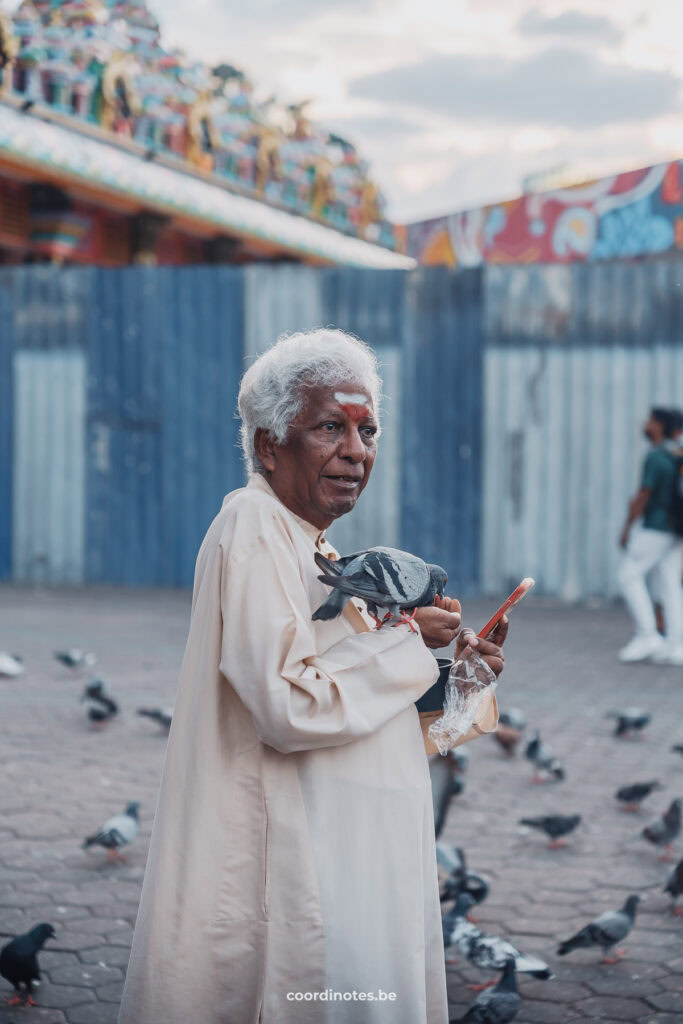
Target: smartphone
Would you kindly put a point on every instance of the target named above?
(514, 598)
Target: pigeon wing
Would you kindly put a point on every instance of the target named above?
(612, 926)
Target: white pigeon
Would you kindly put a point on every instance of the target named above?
(10, 665)
(116, 832)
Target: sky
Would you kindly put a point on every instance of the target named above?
(454, 102)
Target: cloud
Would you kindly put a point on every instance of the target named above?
(559, 87)
(569, 23)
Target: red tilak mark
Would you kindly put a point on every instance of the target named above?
(355, 412)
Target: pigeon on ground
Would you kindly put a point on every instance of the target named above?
(674, 887)
(164, 716)
(605, 931)
(101, 708)
(118, 831)
(10, 665)
(497, 1005)
(19, 961)
(452, 860)
(632, 796)
(487, 952)
(546, 764)
(667, 828)
(630, 721)
(75, 658)
(555, 826)
(384, 578)
(511, 725)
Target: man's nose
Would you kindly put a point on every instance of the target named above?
(352, 447)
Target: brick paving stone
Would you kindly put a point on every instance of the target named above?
(88, 975)
(61, 780)
(667, 1001)
(95, 1013)
(110, 993)
(22, 1015)
(598, 1007)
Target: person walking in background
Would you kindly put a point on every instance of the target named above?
(654, 545)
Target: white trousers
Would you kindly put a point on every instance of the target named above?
(659, 553)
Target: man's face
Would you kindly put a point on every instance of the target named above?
(330, 450)
(653, 430)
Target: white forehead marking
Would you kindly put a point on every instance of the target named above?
(343, 397)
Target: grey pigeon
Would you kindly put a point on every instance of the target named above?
(447, 780)
(543, 760)
(75, 658)
(606, 931)
(19, 961)
(164, 716)
(384, 578)
(667, 828)
(513, 718)
(101, 707)
(674, 886)
(555, 826)
(116, 832)
(10, 665)
(632, 796)
(497, 1005)
(487, 952)
(630, 721)
(451, 859)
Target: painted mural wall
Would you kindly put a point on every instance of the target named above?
(628, 215)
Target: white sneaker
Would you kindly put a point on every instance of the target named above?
(642, 647)
(669, 654)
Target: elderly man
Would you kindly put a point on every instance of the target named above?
(292, 873)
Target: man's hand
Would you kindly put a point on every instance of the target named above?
(439, 623)
(623, 540)
(490, 650)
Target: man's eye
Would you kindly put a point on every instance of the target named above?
(369, 431)
(330, 425)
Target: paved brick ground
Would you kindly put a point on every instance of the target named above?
(60, 780)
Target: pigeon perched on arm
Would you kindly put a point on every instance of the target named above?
(102, 707)
(164, 716)
(116, 832)
(489, 953)
(632, 796)
(75, 658)
(543, 759)
(10, 665)
(384, 578)
(630, 722)
(606, 931)
(19, 961)
(674, 887)
(555, 826)
(667, 828)
(497, 1005)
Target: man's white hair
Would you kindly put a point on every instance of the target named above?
(272, 390)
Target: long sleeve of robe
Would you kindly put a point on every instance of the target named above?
(292, 856)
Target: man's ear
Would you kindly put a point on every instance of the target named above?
(265, 446)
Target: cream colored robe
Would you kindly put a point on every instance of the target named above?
(293, 842)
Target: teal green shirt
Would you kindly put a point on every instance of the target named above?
(660, 478)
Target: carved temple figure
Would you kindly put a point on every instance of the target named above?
(119, 100)
(369, 209)
(9, 47)
(268, 165)
(203, 139)
(322, 192)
